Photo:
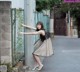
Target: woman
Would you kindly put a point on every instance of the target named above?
(43, 45)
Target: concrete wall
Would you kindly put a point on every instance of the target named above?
(16, 3)
(5, 31)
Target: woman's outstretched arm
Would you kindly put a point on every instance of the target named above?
(30, 33)
(33, 33)
(29, 27)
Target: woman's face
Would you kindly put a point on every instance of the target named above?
(39, 26)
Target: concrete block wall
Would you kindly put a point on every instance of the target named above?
(5, 32)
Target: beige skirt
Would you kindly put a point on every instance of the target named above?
(43, 48)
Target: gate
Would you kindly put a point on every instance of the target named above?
(60, 27)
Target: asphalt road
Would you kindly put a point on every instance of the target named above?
(66, 56)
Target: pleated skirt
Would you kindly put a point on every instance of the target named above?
(43, 48)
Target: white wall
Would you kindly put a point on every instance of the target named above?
(16, 3)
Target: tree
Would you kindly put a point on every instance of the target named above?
(46, 4)
(74, 8)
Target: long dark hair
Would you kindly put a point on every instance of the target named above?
(42, 27)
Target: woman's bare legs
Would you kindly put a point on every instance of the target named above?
(37, 59)
(36, 64)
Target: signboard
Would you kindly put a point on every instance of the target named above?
(71, 1)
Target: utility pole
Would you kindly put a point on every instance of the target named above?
(29, 9)
(52, 22)
(69, 22)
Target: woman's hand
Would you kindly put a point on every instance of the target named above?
(23, 25)
(20, 32)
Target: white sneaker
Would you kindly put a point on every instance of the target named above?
(40, 67)
(35, 67)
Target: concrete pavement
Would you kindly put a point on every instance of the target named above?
(66, 56)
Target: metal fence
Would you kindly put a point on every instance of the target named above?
(17, 19)
(39, 16)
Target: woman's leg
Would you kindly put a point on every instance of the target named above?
(36, 64)
(37, 59)
(39, 62)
